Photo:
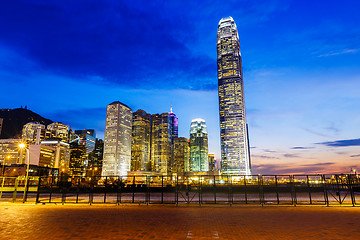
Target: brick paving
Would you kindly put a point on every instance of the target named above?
(183, 222)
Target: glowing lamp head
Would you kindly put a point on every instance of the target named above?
(21, 145)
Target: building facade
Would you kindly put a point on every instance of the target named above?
(1, 123)
(198, 146)
(181, 155)
(141, 141)
(117, 142)
(33, 133)
(164, 130)
(86, 138)
(60, 131)
(212, 163)
(235, 156)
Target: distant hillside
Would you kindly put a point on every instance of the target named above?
(15, 119)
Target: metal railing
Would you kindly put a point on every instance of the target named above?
(190, 189)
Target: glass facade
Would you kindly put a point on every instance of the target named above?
(235, 157)
(32, 132)
(212, 164)
(141, 140)
(181, 155)
(60, 131)
(164, 130)
(86, 137)
(1, 123)
(198, 146)
(117, 142)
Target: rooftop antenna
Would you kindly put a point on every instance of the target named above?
(171, 109)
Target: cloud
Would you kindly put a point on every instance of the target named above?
(117, 41)
(263, 156)
(314, 132)
(334, 53)
(289, 155)
(270, 169)
(358, 155)
(342, 143)
(302, 148)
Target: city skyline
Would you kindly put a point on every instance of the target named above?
(301, 74)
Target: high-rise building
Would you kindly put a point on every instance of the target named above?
(1, 123)
(60, 131)
(198, 146)
(212, 164)
(33, 133)
(235, 155)
(95, 159)
(117, 143)
(164, 130)
(181, 155)
(78, 158)
(87, 138)
(141, 141)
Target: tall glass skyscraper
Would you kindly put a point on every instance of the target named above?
(117, 143)
(199, 160)
(235, 155)
(141, 141)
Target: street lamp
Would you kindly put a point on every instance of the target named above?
(22, 146)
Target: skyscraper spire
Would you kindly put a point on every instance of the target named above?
(235, 157)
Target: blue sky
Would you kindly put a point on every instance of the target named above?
(67, 60)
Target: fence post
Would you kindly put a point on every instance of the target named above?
(215, 189)
(200, 190)
(2, 186)
(230, 196)
(246, 201)
(162, 189)
(105, 185)
(78, 189)
(277, 190)
(177, 190)
(38, 191)
(293, 191)
(351, 190)
(15, 189)
(309, 188)
(133, 193)
(261, 190)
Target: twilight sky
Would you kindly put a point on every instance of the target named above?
(66, 60)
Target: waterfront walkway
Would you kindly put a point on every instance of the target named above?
(18, 221)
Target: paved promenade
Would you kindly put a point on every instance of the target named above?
(184, 222)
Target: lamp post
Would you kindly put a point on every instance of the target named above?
(22, 146)
(3, 165)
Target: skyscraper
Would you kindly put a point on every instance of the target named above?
(181, 155)
(235, 155)
(164, 130)
(140, 143)
(199, 160)
(117, 142)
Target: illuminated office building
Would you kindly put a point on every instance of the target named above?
(117, 142)
(10, 151)
(198, 146)
(78, 159)
(86, 138)
(95, 159)
(141, 141)
(181, 155)
(212, 163)
(164, 130)
(51, 153)
(33, 133)
(60, 131)
(235, 155)
(1, 123)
